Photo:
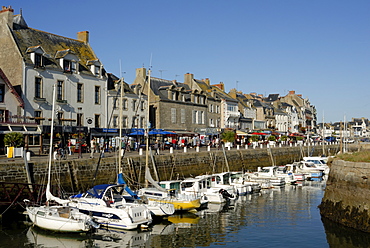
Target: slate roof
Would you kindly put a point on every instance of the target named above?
(54, 46)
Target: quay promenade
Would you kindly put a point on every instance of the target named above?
(86, 156)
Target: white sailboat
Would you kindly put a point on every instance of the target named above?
(60, 218)
(106, 202)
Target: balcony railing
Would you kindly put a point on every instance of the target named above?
(17, 120)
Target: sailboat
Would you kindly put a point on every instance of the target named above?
(59, 218)
(106, 202)
(157, 194)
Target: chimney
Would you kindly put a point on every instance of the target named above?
(232, 93)
(141, 73)
(260, 95)
(220, 86)
(83, 36)
(6, 16)
(292, 92)
(207, 81)
(300, 95)
(188, 79)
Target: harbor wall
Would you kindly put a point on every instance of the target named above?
(80, 174)
(346, 200)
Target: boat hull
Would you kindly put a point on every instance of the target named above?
(179, 205)
(50, 218)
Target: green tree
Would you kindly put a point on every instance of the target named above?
(254, 138)
(228, 136)
(284, 138)
(271, 138)
(14, 139)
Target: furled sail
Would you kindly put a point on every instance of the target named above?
(148, 177)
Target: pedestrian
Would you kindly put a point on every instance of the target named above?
(92, 147)
(69, 144)
(156, 148)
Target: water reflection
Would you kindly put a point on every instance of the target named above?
(279, 217)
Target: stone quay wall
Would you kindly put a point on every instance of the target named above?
(346, 198)
(80, 174)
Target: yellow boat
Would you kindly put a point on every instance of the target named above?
(180, 202)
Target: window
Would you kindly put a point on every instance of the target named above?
(142, 105)
(39, 61)
(201, 117)
(142, 122)
(115, 121)
(97, 94)
(79, 92)
(97, 70)
(38, 87)
(38, 116)
(182, 116)
(201, 99)
(97, 121)
(134, 105)
(231, 108)
(80, 119)
(60, 90)
(2, 92)
(124, 102)
(69, 66)
(135, 121)
(174, 96)
(4, 115)
(173, 115)
(124, 121)
(195, 117)
(195, 99)
(60, 117)
(211, 123)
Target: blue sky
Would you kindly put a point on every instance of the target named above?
(320, 49)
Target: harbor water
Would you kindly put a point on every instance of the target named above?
(278, 217)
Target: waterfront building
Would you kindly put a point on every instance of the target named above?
(173, 105)
(34, 61)
(306, 112)
(247, 112)
(213, 102)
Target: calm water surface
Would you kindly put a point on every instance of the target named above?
(283, 217)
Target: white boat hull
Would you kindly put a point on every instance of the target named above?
(51, 218)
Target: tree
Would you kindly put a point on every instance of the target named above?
(272, 138)
(254, 138)
(228, 136)
(14, 139)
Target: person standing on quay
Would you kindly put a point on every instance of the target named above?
(92, 147)
(69, 147)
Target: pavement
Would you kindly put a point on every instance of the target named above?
(75, 156)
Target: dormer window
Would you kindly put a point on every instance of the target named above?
(36, 55)
(95, 67)
(39, 60)
(68, 61)
(69, 66)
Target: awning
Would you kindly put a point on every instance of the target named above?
(160, 132)
(238, 132)
(185, 133)
(255, 133)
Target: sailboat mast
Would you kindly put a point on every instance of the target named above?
(51, 140)
(147, 130)
(323, 133)
(120, 128)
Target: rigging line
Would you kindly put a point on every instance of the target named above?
(105, 137)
